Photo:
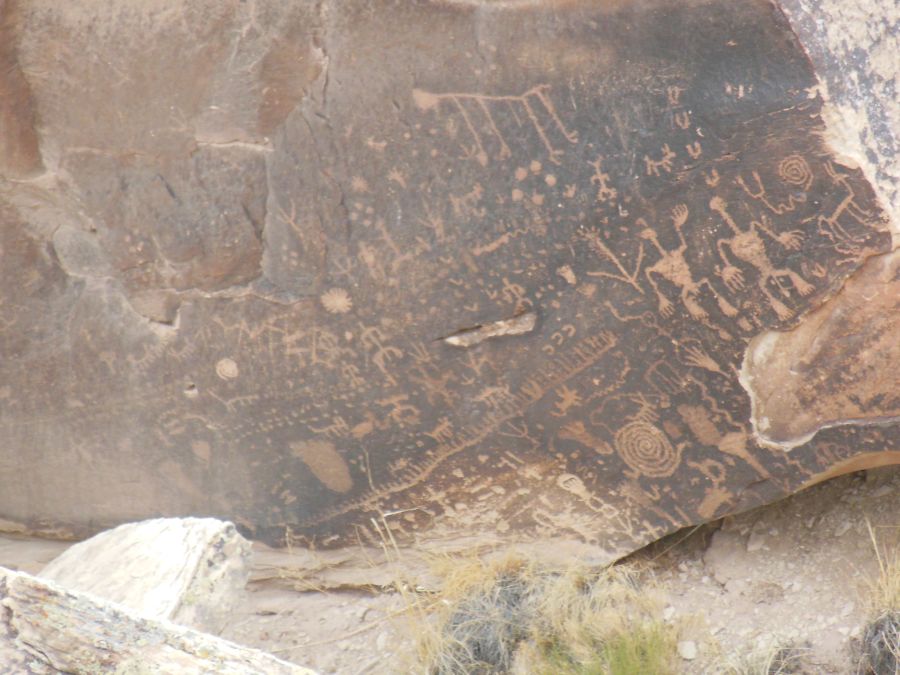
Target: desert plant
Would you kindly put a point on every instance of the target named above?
(779, 659)
(880, 645)
(510, 616)
(601, 622)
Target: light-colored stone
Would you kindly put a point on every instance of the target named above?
(188, 570)
(47, 629)
(687, 649)
(756, 542)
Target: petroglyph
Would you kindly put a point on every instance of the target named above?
(842, 225)
(605, 193)
(748, 246)
(647, 450)
(325, 463)
(673, 267)
(266, 336)
(664, 163)
(535, 103)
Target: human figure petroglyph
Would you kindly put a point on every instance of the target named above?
(534, 102)
(568, 398)
(674, 268)
(680, 117)
(373, 339)
(352, 374)
(749, 247)
(601, 179)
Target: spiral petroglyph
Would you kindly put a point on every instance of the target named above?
(795, 171)
(647, 450)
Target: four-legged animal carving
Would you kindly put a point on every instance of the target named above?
(831, 226)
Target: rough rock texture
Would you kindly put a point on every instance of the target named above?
(854, 49)
(449, 267)
(190, 571)
(840, 365)
(48, 629)
(837, 367)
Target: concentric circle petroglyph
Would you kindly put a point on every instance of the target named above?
(227, 369)
(647, 450)
(794, 170)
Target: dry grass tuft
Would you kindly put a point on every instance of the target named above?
(781, 659)
(884, 591)
(880, 647)
(510, 616)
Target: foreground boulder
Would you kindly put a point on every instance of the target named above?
(191, 571)
(451, 267)
(47, 629)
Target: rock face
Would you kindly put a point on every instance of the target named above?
(191, 571)
(453, 267)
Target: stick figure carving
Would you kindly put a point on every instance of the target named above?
(749, 247)
(673, 267)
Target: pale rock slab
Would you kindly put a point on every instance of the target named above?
(46, 629)
(188, 570)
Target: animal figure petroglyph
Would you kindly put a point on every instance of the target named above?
(749, 247)
(830, 226)
(673, 267)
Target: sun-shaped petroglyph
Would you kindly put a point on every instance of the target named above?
(336, 301)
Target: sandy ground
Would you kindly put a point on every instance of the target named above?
(792, 572)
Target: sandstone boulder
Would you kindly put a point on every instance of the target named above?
(357, 269)
(191, 571)
(45, 629)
